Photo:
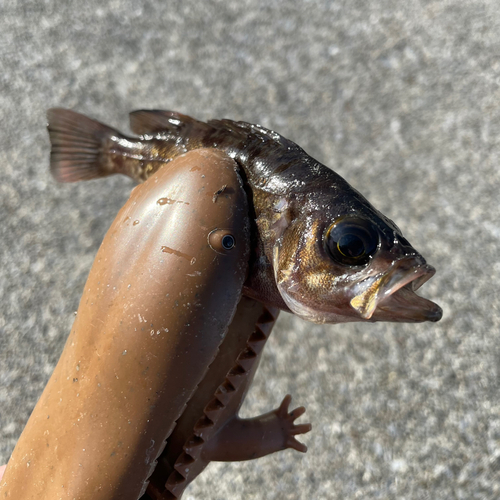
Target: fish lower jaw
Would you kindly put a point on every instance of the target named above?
(406, 306)
(393, 298)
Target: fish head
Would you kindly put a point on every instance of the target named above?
(333, 266)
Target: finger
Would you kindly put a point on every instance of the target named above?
(296, 445)
(2, 470)
(285, 404)
(301, 429)
(298, 412)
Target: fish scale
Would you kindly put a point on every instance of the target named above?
(296, 203)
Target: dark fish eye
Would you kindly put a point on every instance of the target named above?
(352, 241)
(228, 241)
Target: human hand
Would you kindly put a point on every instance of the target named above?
(2, 470)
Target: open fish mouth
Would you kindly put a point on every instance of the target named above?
(392, 297)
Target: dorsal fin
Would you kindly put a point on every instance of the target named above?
(151, 121)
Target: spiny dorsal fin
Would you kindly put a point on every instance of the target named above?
(151, 121)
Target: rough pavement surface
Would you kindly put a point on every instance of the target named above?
(400, 98)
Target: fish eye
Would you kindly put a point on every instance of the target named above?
(352, 241)
(228, 241)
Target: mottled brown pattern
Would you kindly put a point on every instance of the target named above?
(293, 201)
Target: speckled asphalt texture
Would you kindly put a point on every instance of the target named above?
(400, 98)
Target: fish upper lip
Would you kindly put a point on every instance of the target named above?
(392, 296)
(406, 272)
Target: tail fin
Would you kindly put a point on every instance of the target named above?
(77, 143)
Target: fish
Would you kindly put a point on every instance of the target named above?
(320, 250)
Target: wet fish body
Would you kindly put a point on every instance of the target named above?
(320, 249)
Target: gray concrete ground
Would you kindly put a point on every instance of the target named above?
(401, 98)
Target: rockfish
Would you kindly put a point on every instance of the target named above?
(320, 249)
